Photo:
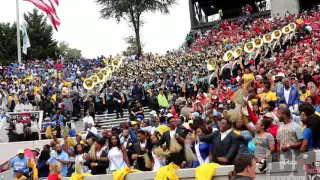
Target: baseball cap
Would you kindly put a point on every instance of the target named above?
(21, 151)
(280, 74)
(269, 115)
(18, 170)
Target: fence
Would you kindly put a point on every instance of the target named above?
(107, 121)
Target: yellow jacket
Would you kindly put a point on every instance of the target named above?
(76, 176)
(167, 172)
(206, 171)
(121, 174)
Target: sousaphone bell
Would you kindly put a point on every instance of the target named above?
(228, 55)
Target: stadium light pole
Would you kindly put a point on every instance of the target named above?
(18, 32)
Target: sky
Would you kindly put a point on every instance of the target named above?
(82, 27)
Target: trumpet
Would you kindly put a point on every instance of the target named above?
(228, 55)
(248, 47)
(237, 53)
(267, 38)
(257, 43)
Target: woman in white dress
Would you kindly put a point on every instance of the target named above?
(117, 154)
(158, 162)
(79, 157)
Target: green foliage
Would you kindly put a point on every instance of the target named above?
(132, 48)
(8, 43)
(67, 52)
(40, 35)
(131, 11)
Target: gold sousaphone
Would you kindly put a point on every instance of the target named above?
(276, 34)
(228, 56)
(237, 53)
(267, 38)
(249, 47)
(88, 84)
(257, 42)
(286, 30)
(292, 26)
(211, 65)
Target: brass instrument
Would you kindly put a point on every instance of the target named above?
(95, 79)
(249, 47)
(88, 84)
(292, 26)
(286, 30)
(267, 38)
(101, 77)
(116, 63)
(276, 34)
(228, 55)
(257, 43)
(237, 53)
(105, 72)
(211, 65)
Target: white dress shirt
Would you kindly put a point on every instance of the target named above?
(19, 128)
(172, 133)
(224, 134)
(286, 94)
(88, 119)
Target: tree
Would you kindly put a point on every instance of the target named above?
(8, 43)
(67, 52)
(132, 11)
(132, 48)
(40, 35)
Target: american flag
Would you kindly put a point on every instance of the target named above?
(49, 7)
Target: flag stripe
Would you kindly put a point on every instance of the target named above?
(48, 10)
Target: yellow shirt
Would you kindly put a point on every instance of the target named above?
(305, 95)
(21, 178)
(247, 78)
(36, 89)
(266, 97)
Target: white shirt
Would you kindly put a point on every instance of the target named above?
(286, 94)
(172, 133)
(19, 128)
(93, 129)
(19, 107)
(88, 119)
(28, 107)
(224, 134)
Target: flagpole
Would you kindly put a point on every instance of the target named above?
(18, 32)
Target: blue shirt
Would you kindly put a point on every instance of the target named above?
(18, 163)
(63, 156)
(307, 135)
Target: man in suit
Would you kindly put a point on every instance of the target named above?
(99, 164)
(127, 142)
(288, 95)
(224, 143)
(140, 148)
(177, 158)
(117, 102)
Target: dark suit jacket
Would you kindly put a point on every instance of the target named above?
(227, 148)
(139, 162)
(176, 158)
(102, 166)
(129, 149)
